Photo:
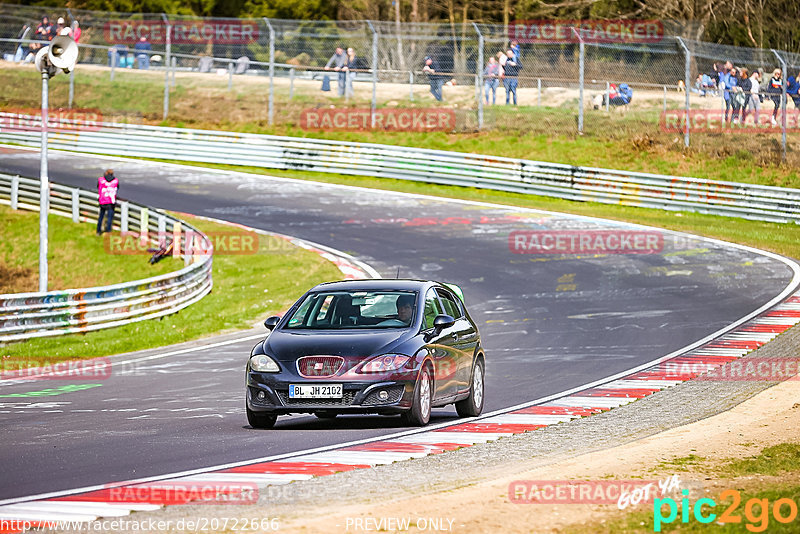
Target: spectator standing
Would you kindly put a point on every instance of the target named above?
(491, 75)
(107, 187)
(774, 90)
(42, 34)
(726, 82)
(60, 29)
(746, 86)
(338, 62)
(350, 68)
(516, 49)
(432, 69)
(755, 96)
(76, 31)
(510, 76)
(793, 89)
(141, 50)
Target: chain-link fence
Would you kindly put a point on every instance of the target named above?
(476, 76)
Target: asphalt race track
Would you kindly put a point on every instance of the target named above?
(549, 322)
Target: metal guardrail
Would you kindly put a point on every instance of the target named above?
(29, 315)
(608, 186)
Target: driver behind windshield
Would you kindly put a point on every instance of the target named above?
(405, 312)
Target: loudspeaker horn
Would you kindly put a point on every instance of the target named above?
(63, 52)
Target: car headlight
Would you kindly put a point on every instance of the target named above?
(386, 362)
(263, 364)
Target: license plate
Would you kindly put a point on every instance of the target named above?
(320, 391)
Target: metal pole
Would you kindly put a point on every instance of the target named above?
(687, 81)
(44, 190)
(608, 97)
(411, 85)
(480, 76)
(71, 88)
(14, 191)
(783, 103)
(174, 68)
(168, 29)
(113, 61)
(291, 83)
(230, 75)
(374, 104)
(539, 92)
(581, 56)
(271, 98)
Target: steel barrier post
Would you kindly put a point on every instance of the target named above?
(608, 97)
(144, 225)
(167, 60)
(162, 231)
(411, 85)
(123, 217)
(76, 205)
(581, 56)
(174, 68)
(176, 239)
(291, 83)
(71, 88)
(479, 77)
(687, 81)
(374, 104)
(113, 63)
(271, 97)
(14, 192)
(783, 103)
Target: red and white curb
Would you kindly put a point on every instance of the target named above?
(122, 499)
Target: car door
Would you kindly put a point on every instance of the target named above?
(442, 350)
(465, 338)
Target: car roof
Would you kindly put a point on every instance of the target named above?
(376, 284)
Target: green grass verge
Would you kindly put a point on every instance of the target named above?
(247, 288)
(76, 256)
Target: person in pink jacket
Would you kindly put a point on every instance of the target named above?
(107, 187)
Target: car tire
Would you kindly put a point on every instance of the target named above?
(325, 415)
(472, 406)
(261, 420)
(420, 412)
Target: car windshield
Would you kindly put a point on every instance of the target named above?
(340, 310)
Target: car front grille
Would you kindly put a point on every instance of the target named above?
(346, 400)
(319, 366)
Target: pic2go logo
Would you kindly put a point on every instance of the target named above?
(756, 511)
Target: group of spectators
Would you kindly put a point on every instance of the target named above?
(744, 91)
(505, 66)
(345, 65)
(45, 32)
(118, 55)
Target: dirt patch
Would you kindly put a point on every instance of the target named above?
(17, 279)
(767, 419)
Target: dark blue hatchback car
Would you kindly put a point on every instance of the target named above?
(368, 346)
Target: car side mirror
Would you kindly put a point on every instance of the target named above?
(272, 322)
(442, 322)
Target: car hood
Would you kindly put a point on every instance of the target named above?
(287, 346)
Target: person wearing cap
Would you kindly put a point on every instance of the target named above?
(405, 312)
(59, 28)
(141, 50)
(107, 187)
(431, 68)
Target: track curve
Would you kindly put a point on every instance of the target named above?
(549, 323)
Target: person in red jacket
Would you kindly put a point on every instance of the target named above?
(107, 187)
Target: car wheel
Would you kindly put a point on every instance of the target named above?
(473, 405)
(326, 415)
(420, 412)
(261, 420)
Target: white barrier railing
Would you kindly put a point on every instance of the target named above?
(29, 315)
(431, 166)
